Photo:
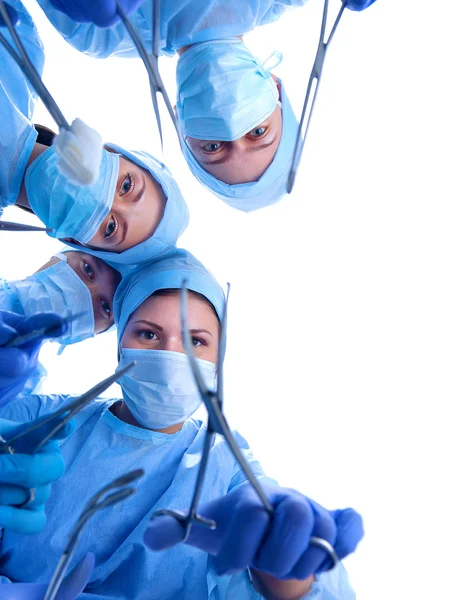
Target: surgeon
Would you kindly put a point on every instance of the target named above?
(237, 124)
(70, 283)
(134, 211)
(152, 427)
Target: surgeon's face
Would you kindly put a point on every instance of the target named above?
(244, 160)
(155, 325)
(102, 281)
(136, 212)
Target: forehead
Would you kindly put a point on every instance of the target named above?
(167, 308)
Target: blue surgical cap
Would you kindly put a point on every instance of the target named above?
(168, 272)
(172, 225)
(271, 187)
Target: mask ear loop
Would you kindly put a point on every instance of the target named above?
(273, 60)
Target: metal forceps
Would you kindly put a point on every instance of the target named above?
(217, 424)
(18, 442)
(21, 442)
(151, 64)
(93, 506)
(22, 59)
(10, 226)
(310, 98)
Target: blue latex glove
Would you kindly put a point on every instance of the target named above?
(101, 12)
(71, 587)
(246, 536)
(17, 364)
(19, 472)
(358, 5)
(12, 15)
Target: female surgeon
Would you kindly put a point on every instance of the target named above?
(152, 428)
(238, 127)
(72, 283)
(133, 212)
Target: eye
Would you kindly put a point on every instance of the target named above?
(196, 342)
(127, 185)
(212, 146)
(89, 270)
(258, 131)
(146, 334)
(111, 227)
(106, 306)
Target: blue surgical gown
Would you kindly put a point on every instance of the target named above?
(182, 22)
(17, 103)
(100, 449)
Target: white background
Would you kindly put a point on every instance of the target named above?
(339, 329)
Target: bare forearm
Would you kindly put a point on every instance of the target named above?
(278, 589)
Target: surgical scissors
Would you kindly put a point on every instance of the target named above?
(93, 506)
(151, 64)
(25, 338)
(28, 69)
(21, 441)
(10, 226)
(308, 105)
(217, 423)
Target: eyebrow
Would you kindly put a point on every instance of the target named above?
(200, 331)
(141, 193)
(220, 161)
(100, 265)
(154, 325)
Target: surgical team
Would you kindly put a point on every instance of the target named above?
(119, 266)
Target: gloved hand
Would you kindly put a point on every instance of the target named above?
(71, 587)
(17, 364)
(101, 12)
(20, 472)
(12, 15)
(246, 536)
(358, 5)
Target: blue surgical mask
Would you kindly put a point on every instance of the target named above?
(160, 389)
(72, 211)
(58, 289)
(223, 91)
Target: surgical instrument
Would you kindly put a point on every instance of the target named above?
(29, 70)
(217, 423)
(10, 226)
(94, 505)
(20, 340)
(151, 64)
(22, 442)
(310, 98)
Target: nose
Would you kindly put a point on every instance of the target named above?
(172, 344)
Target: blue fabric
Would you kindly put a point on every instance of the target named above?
(271, 187)
(18, 364)
(73, 211)
(279, 546)
(101, 12)
(223, 92)
(172, 225)
(56, 289)
(161, 390)
(101, 448)
(168, 272)
(17, 104)
(183, 22)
